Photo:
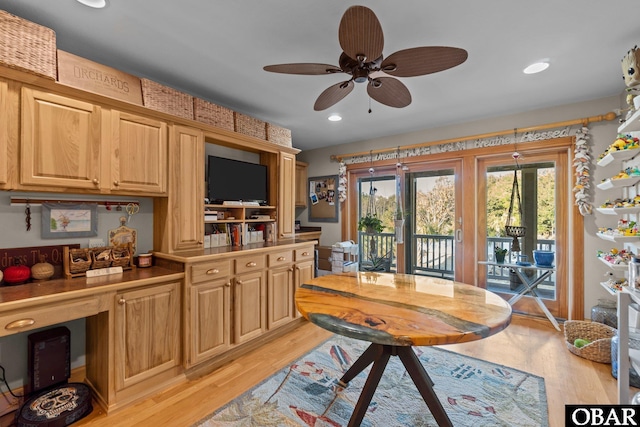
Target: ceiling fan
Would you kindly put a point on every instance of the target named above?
(361, 39)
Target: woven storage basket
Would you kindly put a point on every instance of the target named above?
(167, 100)
(279, 135)
(599, 349)
(79, 260)
(121, 257)
(212, 114)
(98, 259)
(27, 46)
(250, 126)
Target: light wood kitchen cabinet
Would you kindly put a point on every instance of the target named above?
(209, 327)
(286, 194)
(249, 306)
(9, 125)
(302, 192)
(304, 270)
(138, 154)
(147, 333)
(178, 218)
(280, 289)
(60, 141)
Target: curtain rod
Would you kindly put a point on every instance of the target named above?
(584, 121)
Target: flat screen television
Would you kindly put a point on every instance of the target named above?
(235, 180)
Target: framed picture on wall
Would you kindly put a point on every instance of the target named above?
(62, 220)
(324, 203)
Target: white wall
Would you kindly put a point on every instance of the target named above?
(602, 134)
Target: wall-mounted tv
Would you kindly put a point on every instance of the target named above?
(235, 180)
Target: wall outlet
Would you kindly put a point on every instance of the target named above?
(96, 243)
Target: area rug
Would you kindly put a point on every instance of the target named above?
(473, 392)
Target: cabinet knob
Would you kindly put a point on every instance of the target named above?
(251, 264)
(116, 183)
(290, 268)
(200, 242)
(213, 271)
(238, 282)
(122, 301)
(96, 181)
(305, 253)
(227, 285)
(281, 258)
(18, 324)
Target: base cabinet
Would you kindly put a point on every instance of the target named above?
(249, 307)
(147, 333)
(209, 319)
(304, 271)
(280, 297)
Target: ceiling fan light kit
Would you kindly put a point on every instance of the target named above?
(361, 39)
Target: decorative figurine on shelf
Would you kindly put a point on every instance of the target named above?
(631, 76)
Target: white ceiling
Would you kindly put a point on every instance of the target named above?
(216, 49)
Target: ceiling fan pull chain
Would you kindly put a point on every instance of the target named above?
(369, 105)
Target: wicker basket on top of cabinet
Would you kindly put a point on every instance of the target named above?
(27, 46)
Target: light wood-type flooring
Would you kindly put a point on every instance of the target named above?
(530, 344)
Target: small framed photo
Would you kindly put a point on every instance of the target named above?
(63, 220)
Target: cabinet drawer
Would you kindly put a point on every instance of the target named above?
(280, 258)
(209, 271)
(47, 315)
(247, 264)
(304, 254)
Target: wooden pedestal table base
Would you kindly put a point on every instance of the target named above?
(379, 355)
(396, 312)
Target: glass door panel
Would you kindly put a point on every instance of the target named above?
(434, 225)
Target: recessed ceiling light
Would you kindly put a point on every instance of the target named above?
(536, 67)
(96, 4)
(335, 118)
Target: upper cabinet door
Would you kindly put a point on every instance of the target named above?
(286, 194)
(60, 141)
(138, 154)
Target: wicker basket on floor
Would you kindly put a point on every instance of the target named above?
(599, 349)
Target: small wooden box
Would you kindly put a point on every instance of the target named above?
(167, 100)
(250, 126)
(212, 114)
(27, 46)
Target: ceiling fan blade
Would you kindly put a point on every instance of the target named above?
(389, 91)
(360, 33)
(418, 61)
(333, 94)
(302, 68)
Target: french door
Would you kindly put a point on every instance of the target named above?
(543, 187)
(433, 227)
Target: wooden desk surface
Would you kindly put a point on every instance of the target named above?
(401, 309)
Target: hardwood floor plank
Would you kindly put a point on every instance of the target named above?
(529, 344)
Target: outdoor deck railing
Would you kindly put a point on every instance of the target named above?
(434, 255)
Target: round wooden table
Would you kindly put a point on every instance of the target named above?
(395, 312)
